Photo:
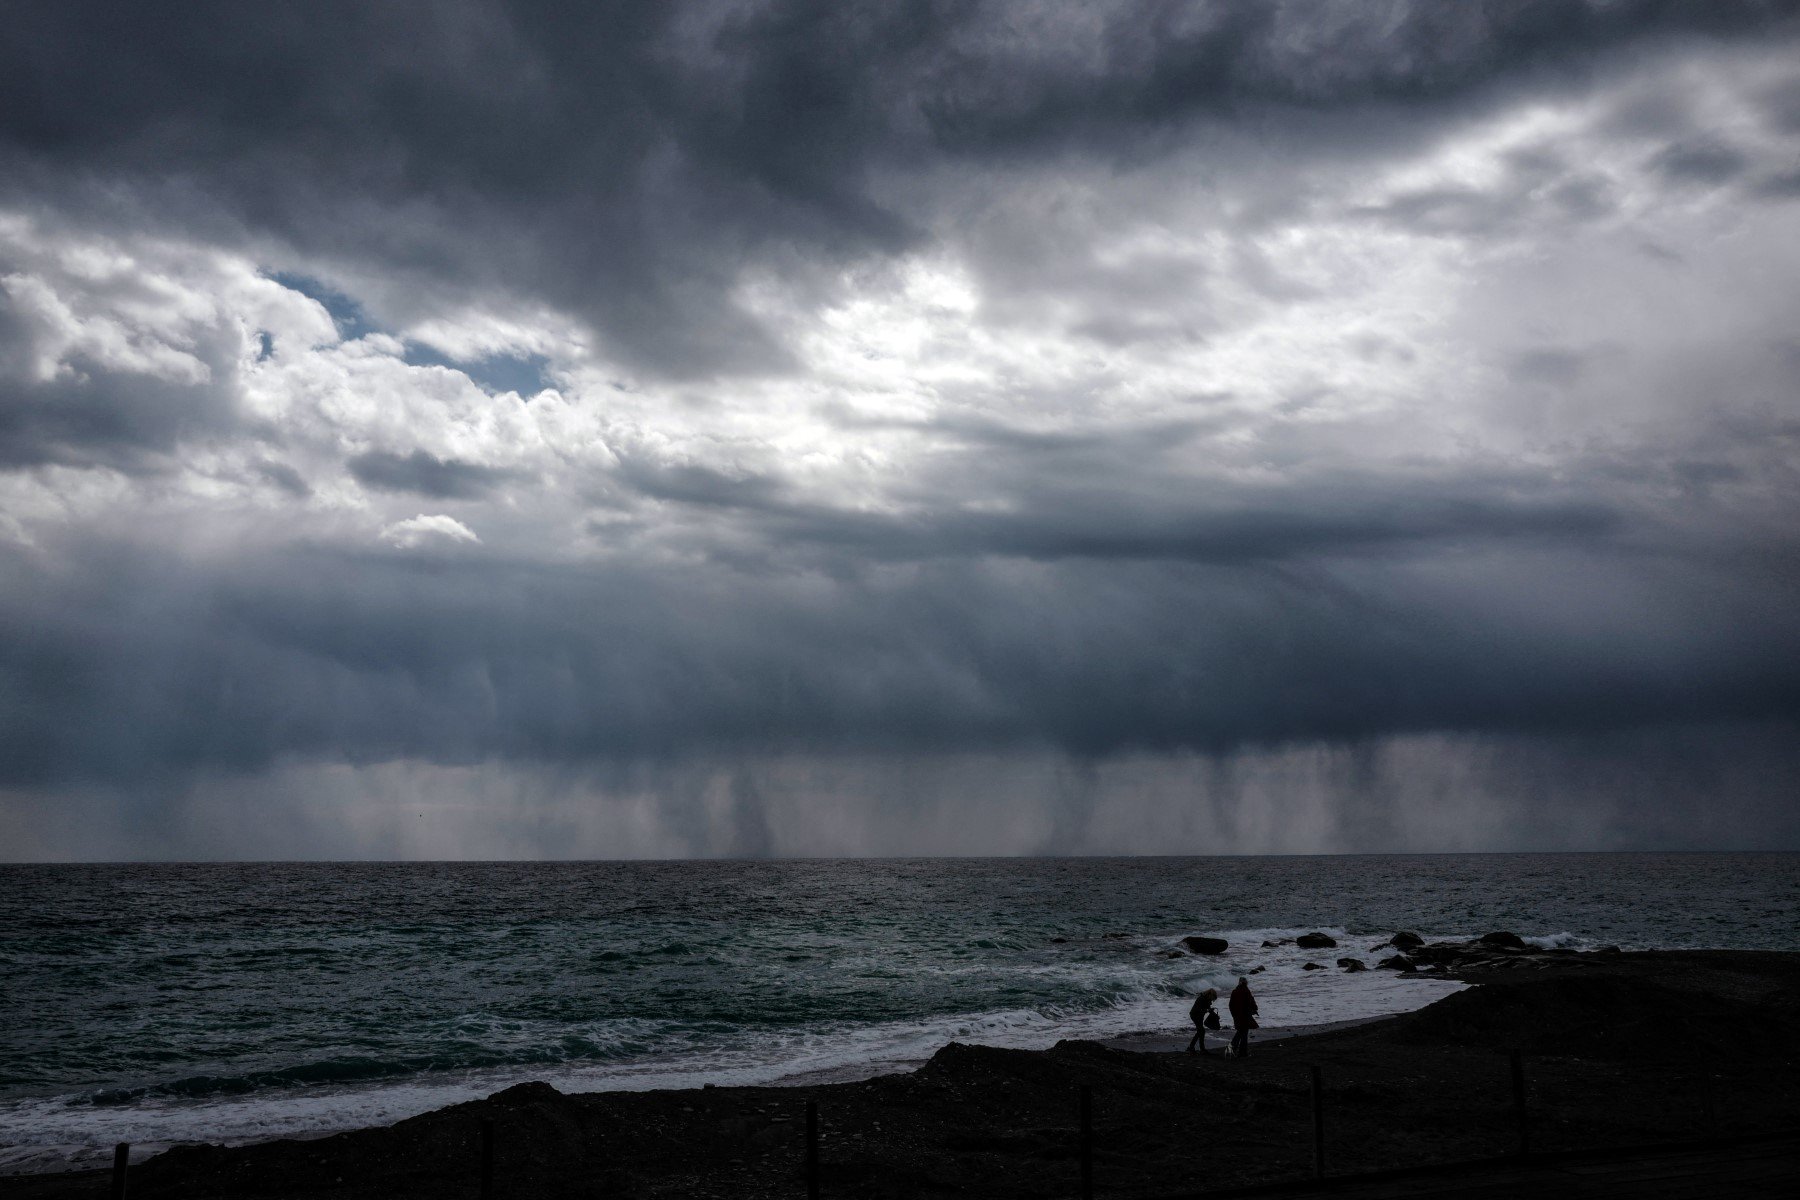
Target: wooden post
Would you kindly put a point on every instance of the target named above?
(1318, 1114)
(812, 1150)
(121, 1158)
(1518, 1089)
(487, 1160)
(1087, 1142)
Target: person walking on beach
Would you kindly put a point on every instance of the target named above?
(1243, 1016)
(1204, 1018)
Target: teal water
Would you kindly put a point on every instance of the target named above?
(154, 1003)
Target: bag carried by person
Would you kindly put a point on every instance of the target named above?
(1212, 1019)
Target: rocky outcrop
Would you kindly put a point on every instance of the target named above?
(1397, 962)
(1315, 941)
(1405, 940)
(1353, 964)
(1205, 945)
(1494, 952)
(1312, 966)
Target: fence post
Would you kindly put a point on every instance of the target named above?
(812, 1150)
(1518, 1090)
(121, 1158)
(487, 1160)
(1318, 1115)
(1087, 1142)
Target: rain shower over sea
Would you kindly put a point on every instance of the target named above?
(165, 1003)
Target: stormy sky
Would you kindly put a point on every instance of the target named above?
(487, 429)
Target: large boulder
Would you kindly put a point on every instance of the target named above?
(1205, 945)
(1397, 962)
(1315, 941)
(1502, 940)
(1353, 964)
(1406, 941)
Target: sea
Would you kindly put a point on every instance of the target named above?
(168, 1003)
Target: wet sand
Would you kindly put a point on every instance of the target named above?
(1160, 1042)
(1620, 1049)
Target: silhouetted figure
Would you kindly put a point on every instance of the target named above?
(1243, 1016)
(1204, 1017)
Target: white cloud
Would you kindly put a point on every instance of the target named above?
(423, 528)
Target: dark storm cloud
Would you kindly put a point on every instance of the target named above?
(691, 483)
(284, 477)
(1554, 365)
(1102, 522)
(90, 416)
(1707, 161)
(424, 474)
(1068, 516)
(628, 161)
(1156, 65)
(1781, 106)
(365, 658)
(1125, 492)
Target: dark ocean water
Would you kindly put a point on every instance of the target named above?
(156, 1003)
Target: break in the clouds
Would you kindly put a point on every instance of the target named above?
(515, 428)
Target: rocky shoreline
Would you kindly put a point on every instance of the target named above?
(1409, 953)
(1621, 1048)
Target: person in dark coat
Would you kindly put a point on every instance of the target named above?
(1243, 1016)
(1204, 1018)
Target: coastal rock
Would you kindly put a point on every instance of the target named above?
(1256, 970)
(1405, 940)
(1205, 945)
(1276, 942)
(1502, 940)
(1058, 941)
(1397, 962)
(1311, 966)
(1315, 941)
(1353, 964)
